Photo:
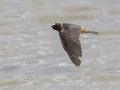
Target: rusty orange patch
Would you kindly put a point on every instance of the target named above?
(83, 29)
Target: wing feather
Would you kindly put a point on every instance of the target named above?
(70, 41)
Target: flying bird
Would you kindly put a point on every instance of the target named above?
(69, 35)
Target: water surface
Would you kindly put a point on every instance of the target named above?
(31, 55)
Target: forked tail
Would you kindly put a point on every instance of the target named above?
(93, 32)
(86, 30)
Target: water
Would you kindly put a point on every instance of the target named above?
(31, 55)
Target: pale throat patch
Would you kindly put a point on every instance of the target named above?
(62, 30)
(61, 25)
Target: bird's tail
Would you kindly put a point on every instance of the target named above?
(93, 32)
(86, 30)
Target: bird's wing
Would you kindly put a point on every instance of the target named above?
(69, 37)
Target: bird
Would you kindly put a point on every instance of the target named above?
(69, 36)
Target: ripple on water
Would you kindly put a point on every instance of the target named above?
(31, 54)
(33, 62)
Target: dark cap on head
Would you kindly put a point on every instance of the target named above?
(57, 26)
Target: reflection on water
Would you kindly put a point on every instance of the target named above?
(32, 56)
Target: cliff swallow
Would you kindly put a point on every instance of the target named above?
(69, 36)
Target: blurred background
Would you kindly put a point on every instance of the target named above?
(31, 54)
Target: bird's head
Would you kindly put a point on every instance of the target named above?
(57, 26)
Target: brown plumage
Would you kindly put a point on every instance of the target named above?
(69, 36)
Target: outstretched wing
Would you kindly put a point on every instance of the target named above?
(69, 36)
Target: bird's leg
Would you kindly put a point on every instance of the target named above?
(85, 30)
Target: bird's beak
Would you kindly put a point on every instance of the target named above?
(52, 25)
